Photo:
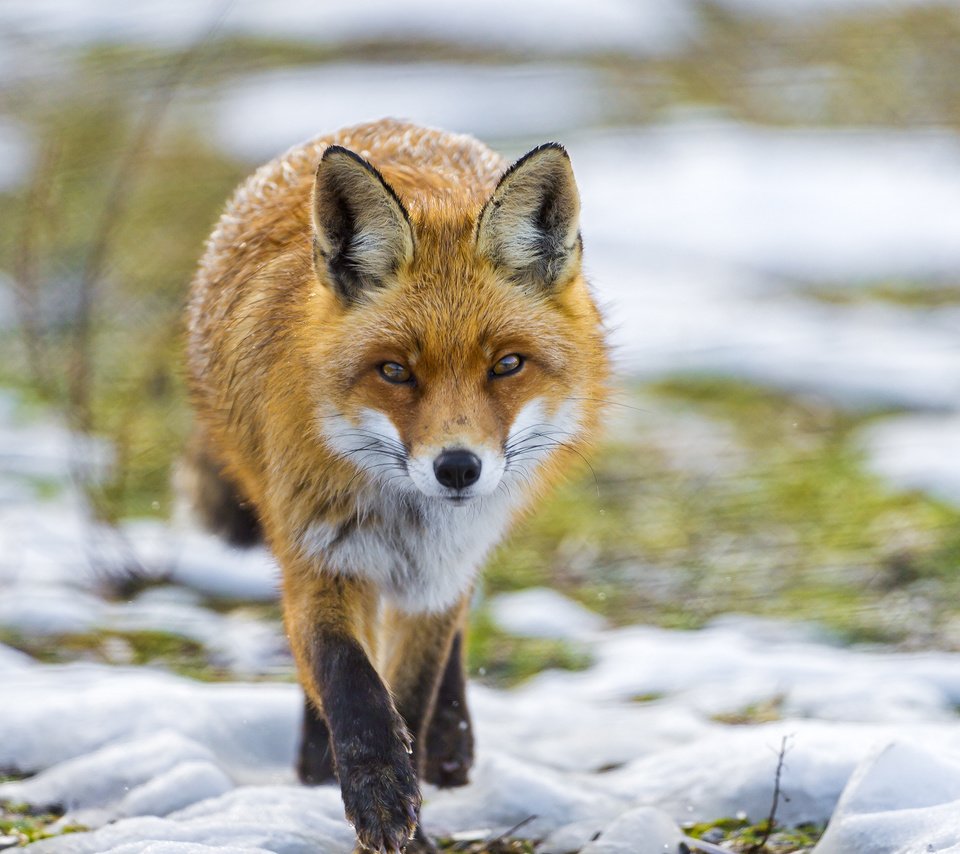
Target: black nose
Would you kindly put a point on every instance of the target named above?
(457, 469)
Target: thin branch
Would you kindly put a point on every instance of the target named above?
(775, 802)
(502, 837)
(26, 273)
(114, 206)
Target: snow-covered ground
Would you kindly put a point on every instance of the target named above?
(485, 100)
(702, 237)
(633, 26)
(148, 757)
(630, 748)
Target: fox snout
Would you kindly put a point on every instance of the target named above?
(456, 472)
(457, 469)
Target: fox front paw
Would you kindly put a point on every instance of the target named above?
(382, 801)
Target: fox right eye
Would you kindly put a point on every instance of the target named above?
(394, 372)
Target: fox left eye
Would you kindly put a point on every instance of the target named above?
(395, 373)
(507, 365)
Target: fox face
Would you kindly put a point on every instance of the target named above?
(457, 347)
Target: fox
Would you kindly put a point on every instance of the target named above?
(392, 354)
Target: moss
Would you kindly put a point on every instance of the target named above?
(800, 530)
(756, 713)
(739, 835)
(155, 648)
(27, 825)
(909, 294)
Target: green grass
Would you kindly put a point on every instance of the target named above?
(800, 531)
(739, 835)
(894, 292)
(146, 647)
(27, 825)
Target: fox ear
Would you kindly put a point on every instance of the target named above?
(361, 232)
(531, 225)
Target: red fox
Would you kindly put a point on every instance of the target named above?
(392, 352)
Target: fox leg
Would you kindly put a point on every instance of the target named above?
(450, 731)
(423, 645)
(330, 621)
(315, 760)
(215, 498)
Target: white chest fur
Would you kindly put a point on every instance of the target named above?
(423, 553)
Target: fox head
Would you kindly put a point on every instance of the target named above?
(460, 349)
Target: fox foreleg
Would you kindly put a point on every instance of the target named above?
(328, 620)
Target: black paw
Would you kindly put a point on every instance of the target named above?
(381, 796)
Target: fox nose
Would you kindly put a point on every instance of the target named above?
(457, 469)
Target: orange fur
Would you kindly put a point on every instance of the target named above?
(273, 351)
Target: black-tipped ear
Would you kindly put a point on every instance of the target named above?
(361, 231)
(531, 225)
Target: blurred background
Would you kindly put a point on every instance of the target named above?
(771, 215)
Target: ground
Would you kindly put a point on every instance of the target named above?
(763, 555)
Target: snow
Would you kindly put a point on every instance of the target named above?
(16, 163)
(633, 26)
(902, 799)
(697, 235)
(647, 824)
(630, 747)
(810, 204)
(647, 26)
(539, 612)
(126, 745)
(540, 100)
(917, 452)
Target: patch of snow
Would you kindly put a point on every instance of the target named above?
(820, 205)
(49, 609)
(505, 791)
(575, 749)
(539, 612)
(125, 778)
(16, 164)
(650, 26)
(904, 798)
(50, 450)
(917, 452)
(204, 562)
(488, 101)
(697, 234)
(733, 770)
(276, 819)
(69, 711)
(643, 830)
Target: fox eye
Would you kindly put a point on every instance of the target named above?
(395, 373)
(507, 365)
